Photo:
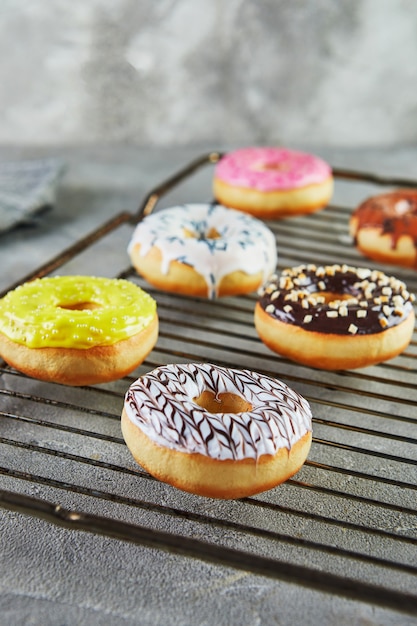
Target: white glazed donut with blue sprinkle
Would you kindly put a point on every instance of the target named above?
(204, 250)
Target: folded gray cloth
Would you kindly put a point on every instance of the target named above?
(27, 187)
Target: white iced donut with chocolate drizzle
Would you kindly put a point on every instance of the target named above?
(215, 431)
(203, 250)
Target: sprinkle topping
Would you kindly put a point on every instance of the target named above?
(215, 241)
(269, 168)
(340, 299)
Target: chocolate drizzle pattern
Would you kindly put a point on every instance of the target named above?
(393, 214)
(162, 405)
(337, 299)
(184, 233)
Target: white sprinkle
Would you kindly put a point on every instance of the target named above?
(307, 319)
(353, 329)
(332, 313)
(287, 308)
(361, 313)
(286, 283)
(269, 308)
(375, 275)
(363, 272)
(402, 206)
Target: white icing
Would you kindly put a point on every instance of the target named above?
(161, 404)
(402, 206)
(244, 242)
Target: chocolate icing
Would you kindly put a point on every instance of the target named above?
(362, 301)
(162, 405)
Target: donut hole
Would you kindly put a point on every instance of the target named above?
(329, 296)
(222, 402)
(80, 306)
(277, 166)
(212, 233)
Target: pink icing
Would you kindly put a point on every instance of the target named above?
(269, 169)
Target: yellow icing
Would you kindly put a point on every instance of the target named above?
(75, 312)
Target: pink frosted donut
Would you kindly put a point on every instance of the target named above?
(272, 182)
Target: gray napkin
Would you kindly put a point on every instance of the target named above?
(26, 188)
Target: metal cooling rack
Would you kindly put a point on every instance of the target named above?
(345, 524)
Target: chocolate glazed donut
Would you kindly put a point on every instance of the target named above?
(335, 317)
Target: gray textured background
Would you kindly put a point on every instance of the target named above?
(172, 72)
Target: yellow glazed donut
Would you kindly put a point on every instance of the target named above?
(272, 182)
(335, 317)
(203, 250)
(215, 431)
(77, 330)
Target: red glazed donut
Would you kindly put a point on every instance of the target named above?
(335, 317)
(384, 227)
(214, 431)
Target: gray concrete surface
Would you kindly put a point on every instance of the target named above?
(187, 72)
(51, 576)
(126, 92)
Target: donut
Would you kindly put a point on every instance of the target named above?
(214, 431)
(203, 250)
(384, 227)
(272, 182)
(336, 316)
(77, 330)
